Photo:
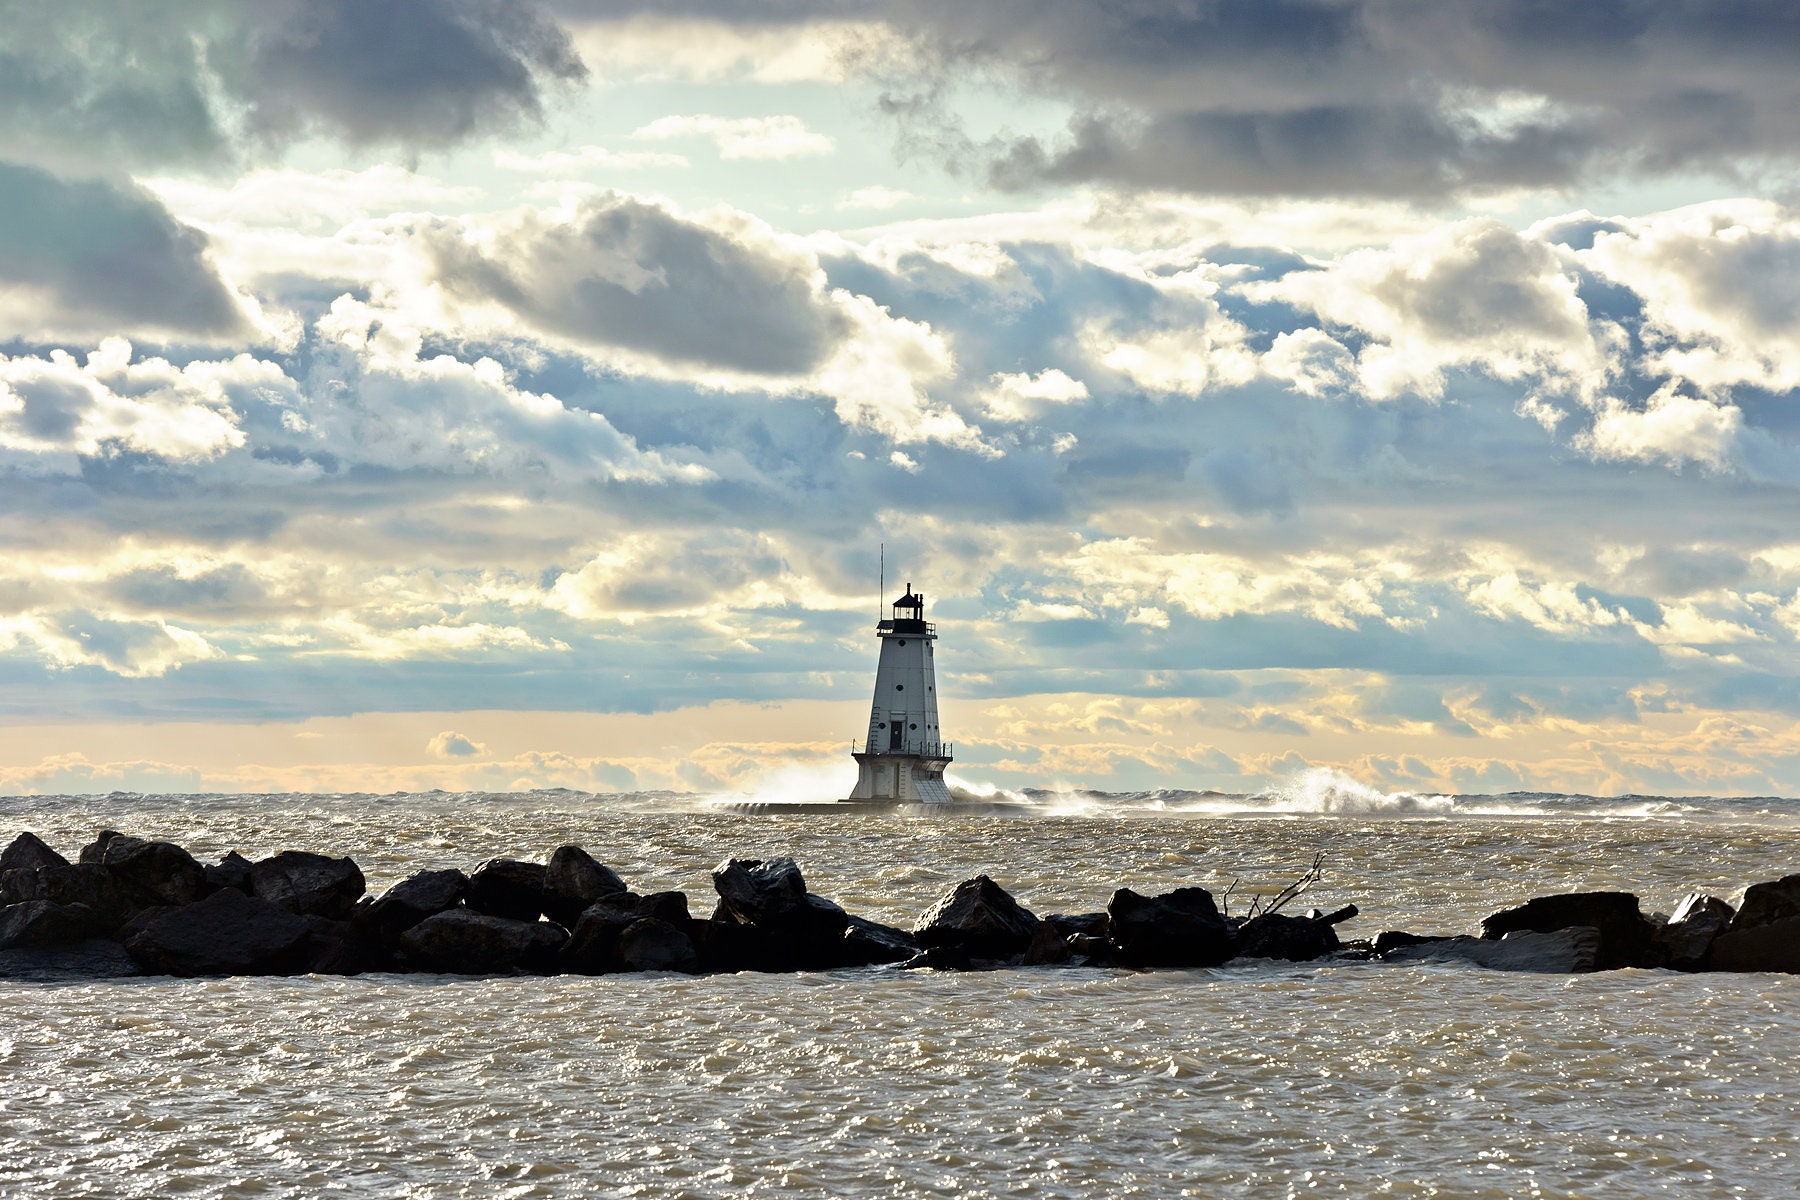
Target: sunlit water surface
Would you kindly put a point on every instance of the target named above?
(1265, 1079)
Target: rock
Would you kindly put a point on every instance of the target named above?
(1688, 935)
(1094, 924)
(1049, 947)
(228, 933)
(1292, 939)
(421, 894)
(39, 923)
(28, 852)
(1086, 950)
(342, 948)
(1627, 937)
(91, 959)
(464, 942)
(573, 880)
(1182, 928)
(756, 891)
(649, 944)
(1396, 939)
(152, 873)
(941, 958)
(91, 852)
(1572, 949)
(666, 906)
(88, 884)
(977, 919)
(507, 887)
(808, 937)
(309, 885)
(1767, 903)
(593, 945)
(869, 943)
(232, 871)
(1774, 946)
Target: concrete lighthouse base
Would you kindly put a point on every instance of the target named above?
(899, 779)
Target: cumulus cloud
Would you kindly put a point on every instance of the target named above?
(768, 139)
(88, 257)
(450, 744)
(1671, 428)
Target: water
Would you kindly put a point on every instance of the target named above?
(1267, 1079)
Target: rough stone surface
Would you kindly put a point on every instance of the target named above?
(91, 852)
(869, 943)
(1292, 939)
(1774, 946)
(1093, 924)
(1182, 928)
(1570, 950)
(465, 942)
(757, 891)
(232, 871)
(309, 885)
(652, 945)
(28, 852)
(1397, 939)
(153, 873)
(87, 884)
(573, 880)
(507, 887)
(421, 894)
(228, 933)
(1767, 903)
(1688, 935)
(38, 923)
(977, 919)
(1627, 937)
(593, 945)
(1049, 947)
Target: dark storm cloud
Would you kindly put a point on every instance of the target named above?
(105, 257)
(628, 274)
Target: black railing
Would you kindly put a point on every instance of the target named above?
(925, 750)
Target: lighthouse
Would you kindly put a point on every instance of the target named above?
(903, 758)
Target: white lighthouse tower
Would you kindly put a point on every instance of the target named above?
(903, 759)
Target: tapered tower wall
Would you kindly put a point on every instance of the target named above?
(902, 760)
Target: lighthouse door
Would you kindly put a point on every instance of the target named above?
(896, 736)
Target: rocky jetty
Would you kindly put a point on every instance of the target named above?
(131, 905)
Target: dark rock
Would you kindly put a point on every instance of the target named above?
(940, 958)
(153, 873)
(573, 880)
(1293, 939)
(1049, 947)
(652, 945)
(666, 906)
(1088, 924)
(91, 852)
(757, 891)
(1627, 937)
(88, 884)
(421, 894)
(228, 933)
(507, 887)
(1569, 950)
(28, 852)
(309, 885)
(1767, 903)
(39, 923)
(978, 919)
(1182, 928)
(1774, 946)
(232, 871)
(464, 942)
(1688, 935)
(593, 945)
(342, 948)
(1086, 950)
(91, 959)
(808, 937)
(1396, 939)
(868, 943)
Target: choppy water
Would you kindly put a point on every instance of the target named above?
(1265, 1079)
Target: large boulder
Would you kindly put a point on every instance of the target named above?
(308, 885)
(87, 884)
(232, 871)
(573, 879)
(28, 852)
(1292, 939)
(757, 891)
(1686, 936)
(977, 919)
(1768, 903)
(593, 945)
(421, 894)
(464, 942)
(1094, 924)
(1569, 950)
(39, 923)
(227, 933)
(1182, 928)
(648, 944)
(869, 943)
(1774, 946)
(152, 873)
(507, 887)
(91, 852)
(1627, 937)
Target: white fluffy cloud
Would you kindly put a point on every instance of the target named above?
(762, 139)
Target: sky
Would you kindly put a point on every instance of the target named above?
(498, 394)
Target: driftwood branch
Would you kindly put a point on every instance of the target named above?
(1294, 890)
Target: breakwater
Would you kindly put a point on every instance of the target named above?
(132, 905)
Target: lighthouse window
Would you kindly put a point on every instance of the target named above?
(912, 726)
(899, 687)
(903, 641)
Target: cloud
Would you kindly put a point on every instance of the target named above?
(88, 257)
(877, 196)
(762, 139)
(587, 158)
(625, 273)
(454, 745)
(1671, 428)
